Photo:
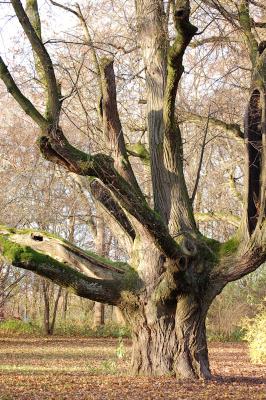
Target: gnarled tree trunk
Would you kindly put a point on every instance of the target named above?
(170, 339)
(168, 316)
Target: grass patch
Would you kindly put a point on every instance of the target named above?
(237, 335)
(17, 327)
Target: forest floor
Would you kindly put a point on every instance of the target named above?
(97, 369)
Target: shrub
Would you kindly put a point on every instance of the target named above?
(110, 329)
(71, 328)
(236, 335)
(256, 337)
(18, 327)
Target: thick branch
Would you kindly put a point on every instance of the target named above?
(45, 60)
(246, 25)
(101, 166)
(237, 266)
(153, 40)
(49, 258)
(139, 150)
(112, 124)
(181, 214)
(254, 160)
(65, 252)
(103, 195)
(34, 18)
(109, 209)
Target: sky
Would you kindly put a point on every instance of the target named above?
(55, 21)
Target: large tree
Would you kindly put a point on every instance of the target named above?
(174, 271)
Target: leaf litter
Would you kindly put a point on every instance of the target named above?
(98, 369)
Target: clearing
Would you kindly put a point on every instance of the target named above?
(87, 368)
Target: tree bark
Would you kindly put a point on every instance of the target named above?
(173, 342)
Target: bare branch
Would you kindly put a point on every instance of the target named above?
(211, 40)
(110, 210)
(71, 10)
(201, 159)
(233, 130)
(87, 35)
(218, 216)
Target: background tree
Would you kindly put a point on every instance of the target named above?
(175, 271)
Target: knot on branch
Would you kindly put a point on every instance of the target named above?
(48, 152)
(181, 13)
(37, 237)
(183, 25)
(182, 264)
(189, 247)
(262, 47)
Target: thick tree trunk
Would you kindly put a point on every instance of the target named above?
(191, 360)
(171, 340)
(167, 316)
(154, 346)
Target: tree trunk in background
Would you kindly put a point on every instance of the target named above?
(119, 318)
(52, 325)
(46, 315)
(65, 305)
(48, 323)
(98, 318)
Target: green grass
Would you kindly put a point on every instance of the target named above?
(72, 328)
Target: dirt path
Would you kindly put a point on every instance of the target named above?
(89, 369)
